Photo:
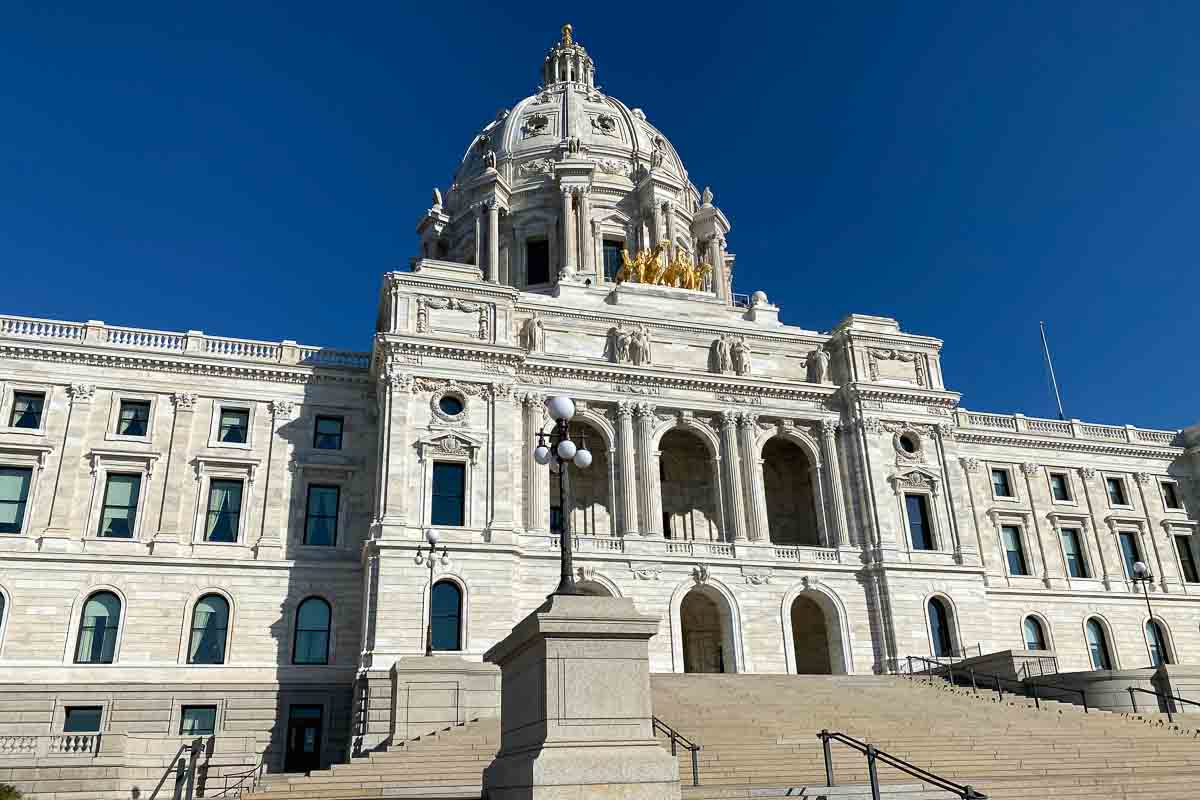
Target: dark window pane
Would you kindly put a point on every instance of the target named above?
(82, 719)
(98, 629)
(449, 500)
(1098, 646)
(1059, 486)
(1187, 560)
(1076, 567)
(450, 405)
(918, 521)
(612, 259)
(446, 608)
(27, 410)
(198, 721)
(1159, 654)
(119, 510)
(234, 425)
(1116, 491)
(537, 261)
(14, 492)
(210, 624)
(328, 433)
(320, 521)
(939, 628)
(1171, 496)
(312, 632)
(224, 511)
(1014, 551)
(134, 418)
(1035, 637)
(1000, 483)
(1129, 551)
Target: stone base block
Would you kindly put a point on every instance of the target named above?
(585, 772)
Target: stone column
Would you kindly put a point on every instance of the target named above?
(734, 495)
(568, 223)
(272, 536)
(170, 522)
(628, 519)
(68, 511)
(717, 259)
(479, 235)
(649, 485)
(669, 212)
(833, 471)
(395, 388)
(587, 242)
(752, 479)
(659, 226)
(537, 477)
(493, 236)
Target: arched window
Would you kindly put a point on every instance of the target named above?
(98, 629)
(2, 610)
(312, 632)
(1098, 645)
(939, 628)
(1035, 635)
(1159, 654)
(446, 616)
(210, 624)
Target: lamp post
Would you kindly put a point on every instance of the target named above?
(1143, 575)
(430, 559)
(563, 452)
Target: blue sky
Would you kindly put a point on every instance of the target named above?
(969, 169)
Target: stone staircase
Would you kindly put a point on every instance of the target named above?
(758, 739)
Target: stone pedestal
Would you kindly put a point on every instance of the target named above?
(431, 693)
(576, 713)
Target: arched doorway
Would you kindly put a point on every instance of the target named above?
(588, 491)
(690, 499)
(811, 637)
(941, 635)
(791, 494)
(707, 637)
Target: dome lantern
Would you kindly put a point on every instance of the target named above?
(568, 62)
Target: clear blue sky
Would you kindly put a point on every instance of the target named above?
(967, 168)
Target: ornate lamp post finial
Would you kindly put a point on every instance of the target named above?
(566, 35)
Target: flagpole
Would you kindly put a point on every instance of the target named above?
(1050, 364)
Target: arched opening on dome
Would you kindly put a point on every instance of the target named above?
(588, 490)
(816, 636)
(788, 480)
(705, 625)
(690, 499)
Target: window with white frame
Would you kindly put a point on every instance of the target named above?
(1131, 551)
(232, 424)
(920, 523)
(1060, 487)
(197, 720)
(1035, 633)
(1002, 485)
(98, 626)
(449, 494)
(130, 417)
(226, 486)
(1156, 637)
(1014, 550)
(27, 410)
(14, 497)
(1072, 544)
(1115, 486)
(82, 719)
(321, 515)
(223, 520)
(1097, 641)
(209, 630)
(1170, 494)
(118, 509)
(1187, 559)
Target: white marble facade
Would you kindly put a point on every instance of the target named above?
(749, 485)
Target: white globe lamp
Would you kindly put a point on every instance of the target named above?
(541, 454)
(432, 537)
(566, 449)
(583, 458)
(560, 407)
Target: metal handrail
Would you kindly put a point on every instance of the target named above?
(185, 772)
(873, 754)
(688, 744)
(1160, 695)
(254, 775)
(1030, 687)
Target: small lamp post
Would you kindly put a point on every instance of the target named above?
(562, 452)
(430, 559)
(1143, 575)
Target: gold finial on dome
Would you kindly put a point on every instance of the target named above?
(566, 31)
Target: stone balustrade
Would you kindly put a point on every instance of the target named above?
(64, 744)
(652, 547)
(94, 333)
(1066, 429)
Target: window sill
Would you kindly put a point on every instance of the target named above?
(215, 445)
(116, 437)
(1001, 498)
(24, 431)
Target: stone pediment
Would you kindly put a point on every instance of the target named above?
(917, 478)
(452, 444)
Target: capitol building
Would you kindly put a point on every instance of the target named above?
(211, 535)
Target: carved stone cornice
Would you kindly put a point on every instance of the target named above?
(184, 401)
(1068, 445)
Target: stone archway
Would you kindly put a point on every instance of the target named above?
(690, 495)
(706, 632)
(810, 636)
(788, 482)
(589, 491)
(593, 588)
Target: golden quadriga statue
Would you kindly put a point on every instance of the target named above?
(649, 266)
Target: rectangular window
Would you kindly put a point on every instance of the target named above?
(27, 410)
(198, 721)
(82, 719)
(1171, 496)
(1013, 550)
(449, 494)
(1001, 484)
(1076, 566)
(919, 528)
(320, 518)
(1060, 487)
(612, 258)
(1187, 561)
(328, 433)
(537, 261)
(134, 419)
(1130, 552)
(1116, 491)
(234, 426)
(118, 513)
(14, 492)
(224, 511)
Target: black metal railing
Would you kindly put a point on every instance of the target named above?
(236, 784)
(1161, 696)
(961, 675)
(1046, 665)
(184, 770)
(874, 755)
(678, 740)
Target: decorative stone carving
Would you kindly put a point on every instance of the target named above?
(722, 355)
(970, 464)
(633, 388)
(424, 303)
(658, 155)
(81, 391)
(612, 166)
(281, 408)
(586, 572)
(871, 425)
(706, 198)
(533, 335)
(184, 401)
(1029, 468)
(740, 399)
(1143, 477)
(817, 364)
(700, 573)
(914, 479)
(756, 577)
(449, 389)
(639, 346)
(629, 347)
(397, 380)
(916, 359)
(944, 431)
(604, 124)
(541, 166)
(1087, 473)
(536, 124)
(646, 572)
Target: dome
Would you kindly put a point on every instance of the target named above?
(572, 184)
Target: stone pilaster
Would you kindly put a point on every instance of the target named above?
(493, 238)
(537, 477)
(507, 429)
(758, 529)
(68, 510)
(840, 535)
(735, 498)
(649, 488)
(170, 516)
(568, 223)
(627, 485)
(272, 535)
(395, 389)
(587, 243)
(479, 235)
